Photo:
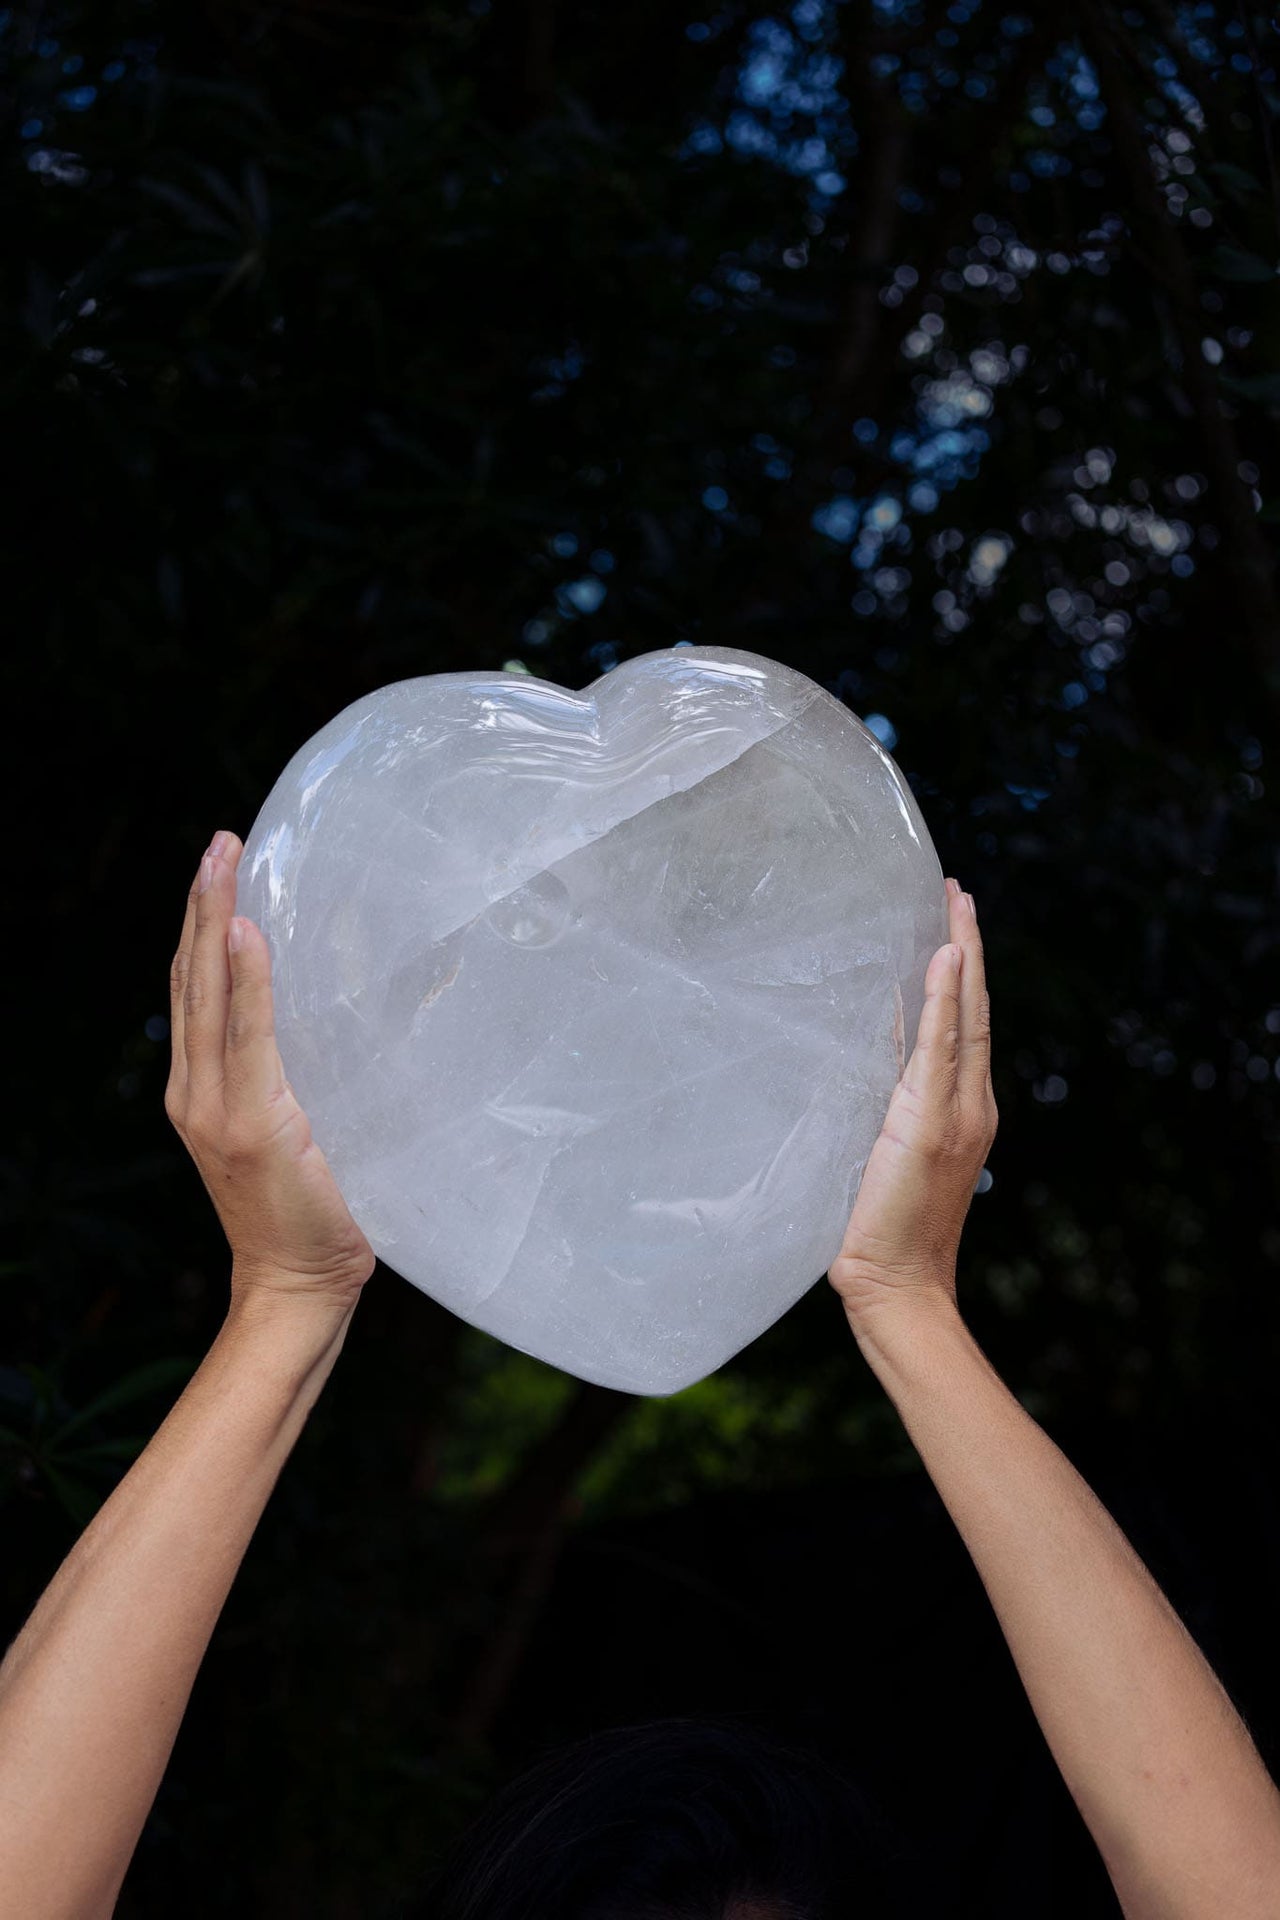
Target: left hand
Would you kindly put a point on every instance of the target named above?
(290, 1230)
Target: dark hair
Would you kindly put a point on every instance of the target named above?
(678, 1819)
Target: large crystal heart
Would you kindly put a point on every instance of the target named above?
(596, 1000)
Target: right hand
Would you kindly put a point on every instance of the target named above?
(903, 1235)
(291, 1234)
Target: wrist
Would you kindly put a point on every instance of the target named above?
(286, 1330)
(895, 1322)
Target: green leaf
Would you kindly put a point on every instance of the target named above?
(100, 1450)
(17, 1389)
(1253, 386)
(1239, 183)
(221, 189)
(199, 218)
(138, 1385)
(168, 276)
(104, 1451)
(1235, 263)
(78, 1501)
(30, 1388)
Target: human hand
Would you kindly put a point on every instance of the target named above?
(290, 1231)
(904, 1232)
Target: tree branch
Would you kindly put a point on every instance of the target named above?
(868, 343)
(1251, 575)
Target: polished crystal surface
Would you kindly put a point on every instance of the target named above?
(596, 1000)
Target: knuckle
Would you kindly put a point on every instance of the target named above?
(241, 1144)
(937, 1143)
(201, 1123)
(241, 1030)
(174, 1106)
(178, 971)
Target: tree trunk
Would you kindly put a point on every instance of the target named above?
(529, 1519)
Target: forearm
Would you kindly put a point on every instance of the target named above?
(1158, 1761)
(94, 1688)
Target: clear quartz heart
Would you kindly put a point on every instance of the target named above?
(596, 1000)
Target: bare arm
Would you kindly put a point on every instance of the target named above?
(1158, 1761)
(94, 1688)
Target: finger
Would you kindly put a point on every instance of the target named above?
(254, 1073)
(204, 1004)
(931, 1070)
(178, 971)
(975, 1005)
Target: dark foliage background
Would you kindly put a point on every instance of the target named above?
(928, 348)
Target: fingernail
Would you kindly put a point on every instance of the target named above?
(218, 845)
(953, 888)
(968, 900)
(235, 935)
(206, 873)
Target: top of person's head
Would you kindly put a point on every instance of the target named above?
(671, 1820)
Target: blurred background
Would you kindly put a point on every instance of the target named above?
(931, 349)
